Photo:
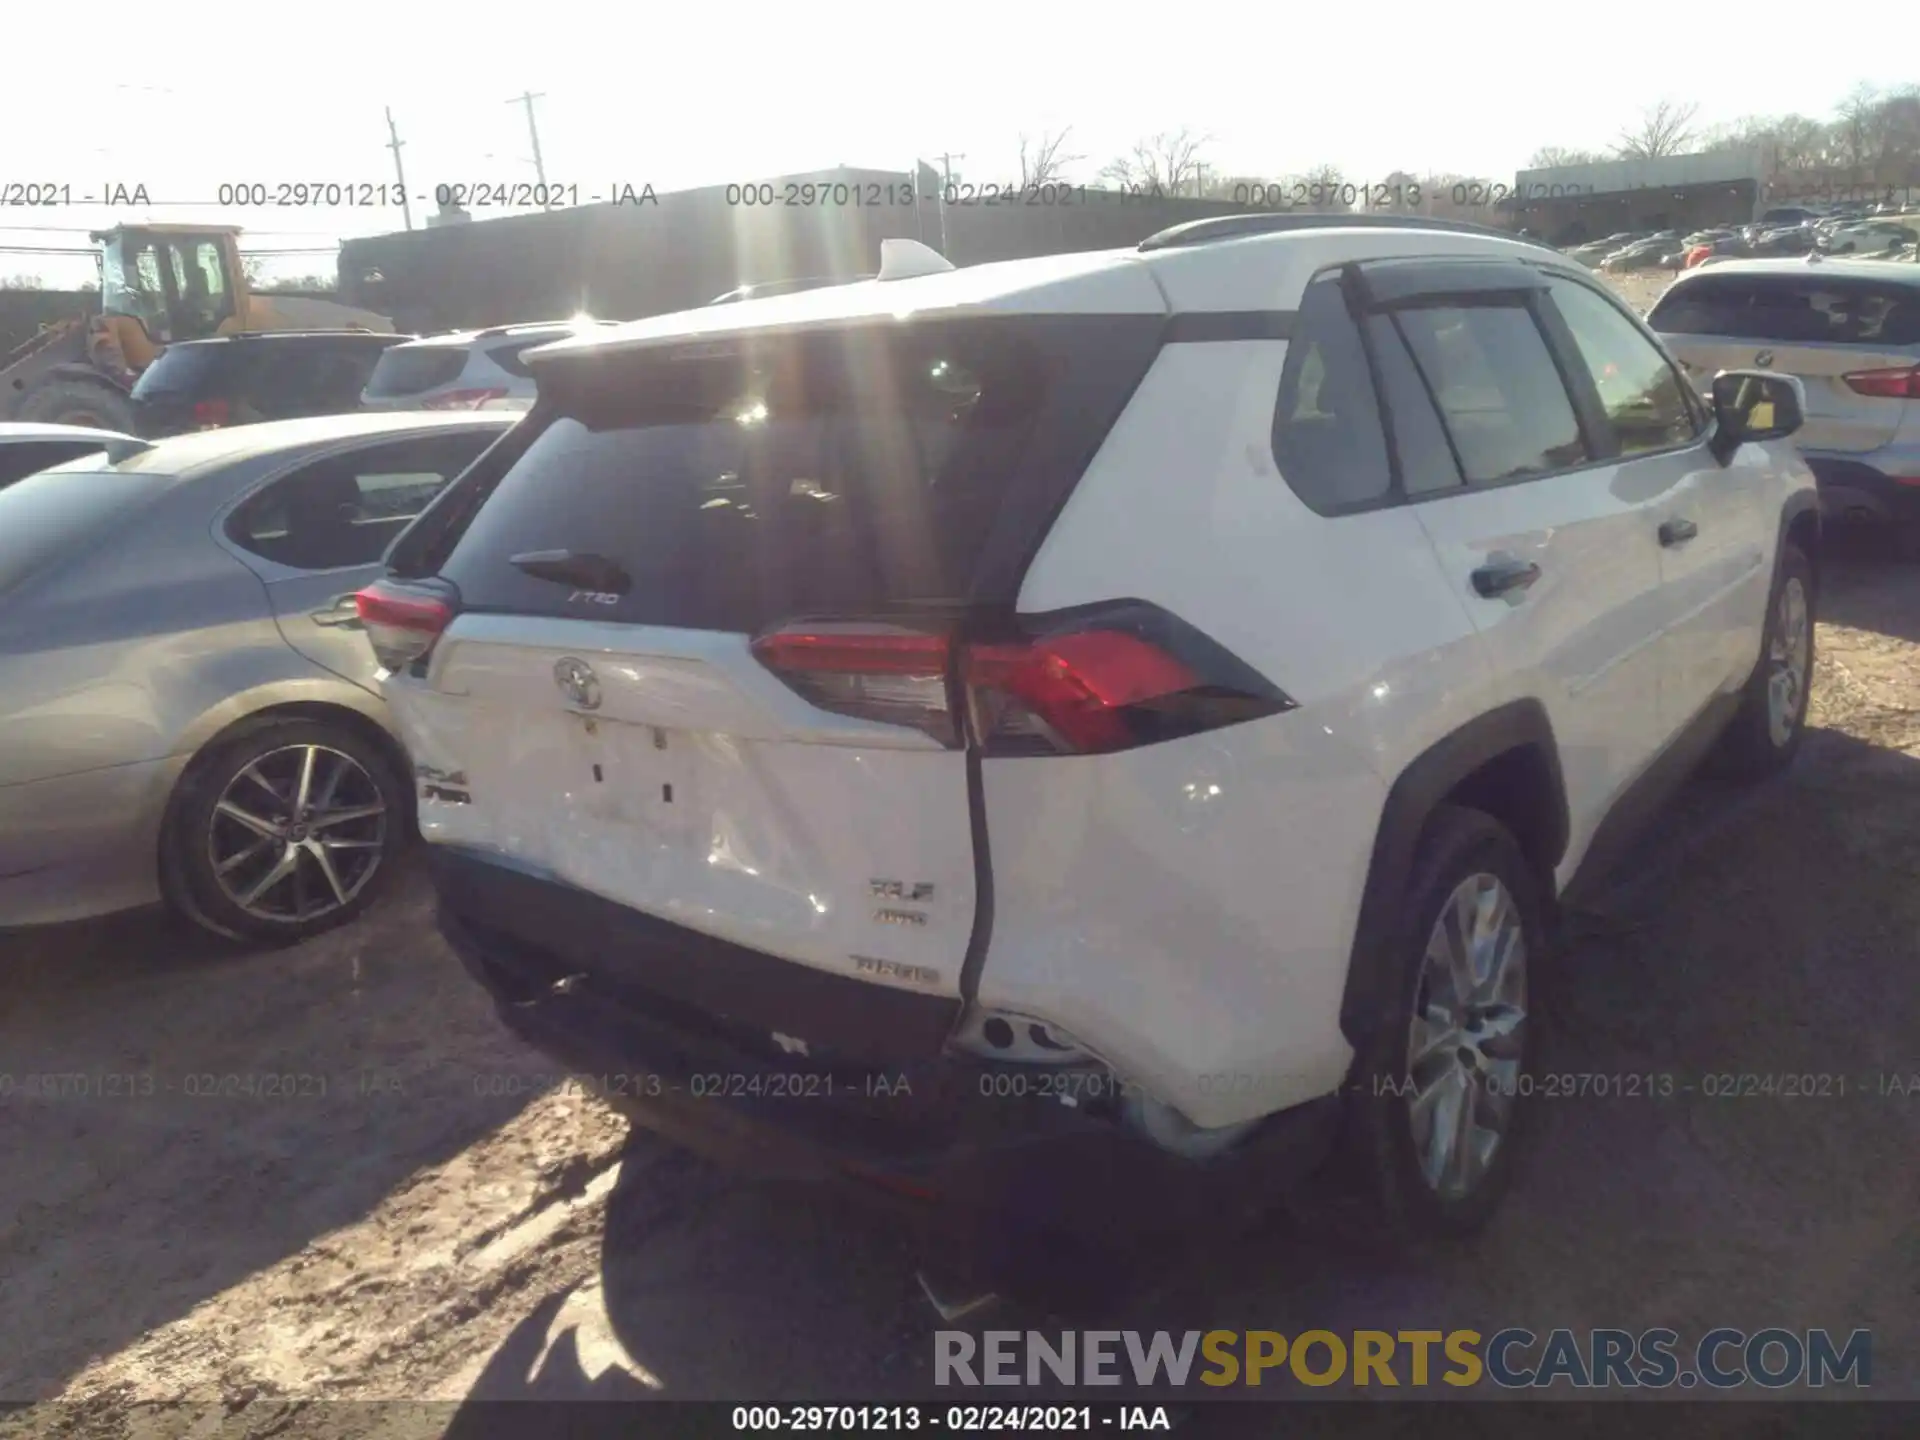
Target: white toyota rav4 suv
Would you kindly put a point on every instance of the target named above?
(1068, 739)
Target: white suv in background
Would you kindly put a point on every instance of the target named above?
(1070, 738)
(463, 370)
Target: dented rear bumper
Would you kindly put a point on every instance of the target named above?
(949, 1139)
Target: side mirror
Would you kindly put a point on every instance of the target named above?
(1755, 405)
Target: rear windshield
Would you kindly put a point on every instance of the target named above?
(182, 370)
(1790, 309)
(44, 515)
(413, 370)
(853, 472)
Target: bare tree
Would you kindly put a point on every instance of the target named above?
(1895, 137)
(1169, 162)
(1041, 159)
(1326, 190)
(1666, 129)
(1855, 127)
(1551, 157)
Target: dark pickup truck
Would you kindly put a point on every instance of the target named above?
(240, 379)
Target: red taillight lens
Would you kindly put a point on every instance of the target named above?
(894, 675)
(1077, 688)
(1900, 384)
(1105, 679)
(402, 628)
(210, 412)
(463, 400)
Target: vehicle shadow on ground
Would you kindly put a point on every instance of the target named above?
(200, 1112)
(1871, 581)
(1756, 933)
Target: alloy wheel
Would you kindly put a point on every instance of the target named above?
(1465, 1046)
(297, 833)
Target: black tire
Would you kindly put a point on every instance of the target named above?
(276, 748)
(1751, 749)
(1412, 1214)
(78, 402)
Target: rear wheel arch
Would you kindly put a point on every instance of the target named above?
(1505, 764)
(1800, 527)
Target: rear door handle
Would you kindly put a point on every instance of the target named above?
(1678, 532)
(342, 610)
(1504, 576)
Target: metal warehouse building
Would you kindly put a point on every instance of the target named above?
(1572, 203)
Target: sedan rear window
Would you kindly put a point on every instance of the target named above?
(46, 514)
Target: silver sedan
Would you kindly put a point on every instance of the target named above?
(188, 707)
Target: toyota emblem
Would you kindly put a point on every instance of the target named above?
(577, 682)
(1763, 359)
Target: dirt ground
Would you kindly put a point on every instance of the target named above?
(417, 1213)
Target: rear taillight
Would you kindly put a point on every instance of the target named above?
(1084, 682)
(463, 400)
(210, 413)
(402, 626)
(894, 675)
(1899, 384)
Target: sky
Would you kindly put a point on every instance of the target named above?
(675, 96)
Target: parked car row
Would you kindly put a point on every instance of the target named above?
(248, 378)
(1786, 230)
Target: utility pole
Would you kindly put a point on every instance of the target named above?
(946, 183)
(527, 98)
(394, 143)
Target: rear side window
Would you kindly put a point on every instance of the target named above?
(1497, 388)
(47, 513)
(856, 471)
(347, 509)
(1791, 309)
(1327, 439)
(414, 370)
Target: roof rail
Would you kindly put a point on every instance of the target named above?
(1234, 227)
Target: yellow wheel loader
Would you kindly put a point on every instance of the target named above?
(158, 284)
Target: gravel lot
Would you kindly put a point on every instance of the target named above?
(426, 1218)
